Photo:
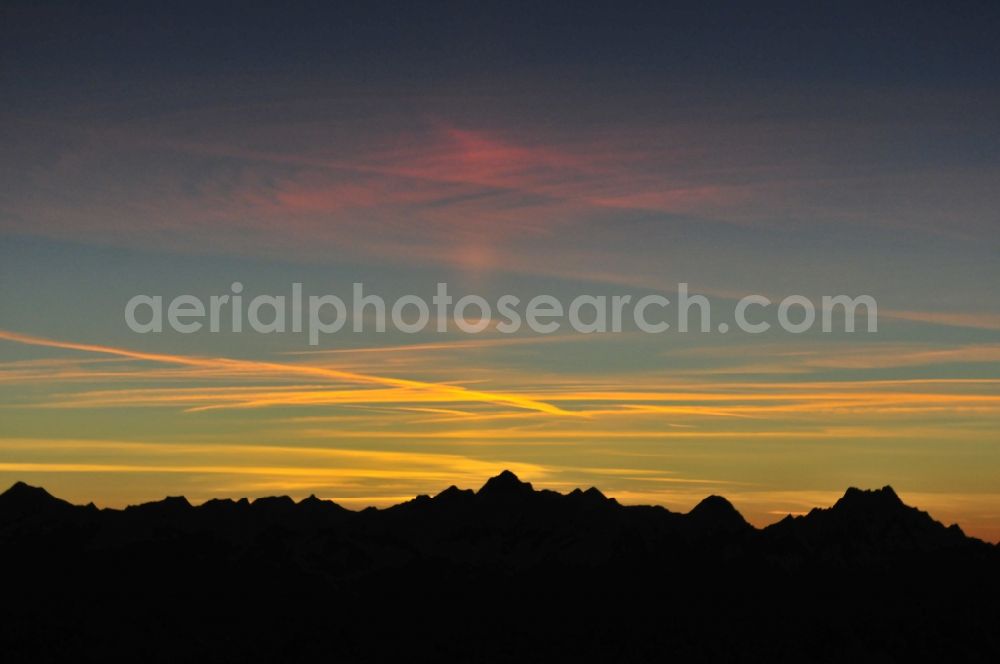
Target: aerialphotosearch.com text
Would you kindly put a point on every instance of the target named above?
(320, 315)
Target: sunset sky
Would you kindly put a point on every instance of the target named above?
(579, 149)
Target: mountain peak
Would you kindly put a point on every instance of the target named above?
(453, 493)
(316, 505)
(177, 501)
(591, 496)
(23, 498)
(718, 512)
(713, 505)
(21, 489)
(869, 499)
(505, 484)
(168, 506)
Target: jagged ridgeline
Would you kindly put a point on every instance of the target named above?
(506, 571)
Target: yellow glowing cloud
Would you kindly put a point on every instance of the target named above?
(446, 392)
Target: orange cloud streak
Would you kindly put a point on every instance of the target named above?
(449, 392)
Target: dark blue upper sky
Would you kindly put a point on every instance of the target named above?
(73, 47)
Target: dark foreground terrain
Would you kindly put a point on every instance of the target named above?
(505, 573)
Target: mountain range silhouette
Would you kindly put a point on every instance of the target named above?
(504, 572)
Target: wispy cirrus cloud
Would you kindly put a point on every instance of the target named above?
(632, 401)
(450, 392)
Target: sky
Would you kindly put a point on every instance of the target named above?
(576, 148)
